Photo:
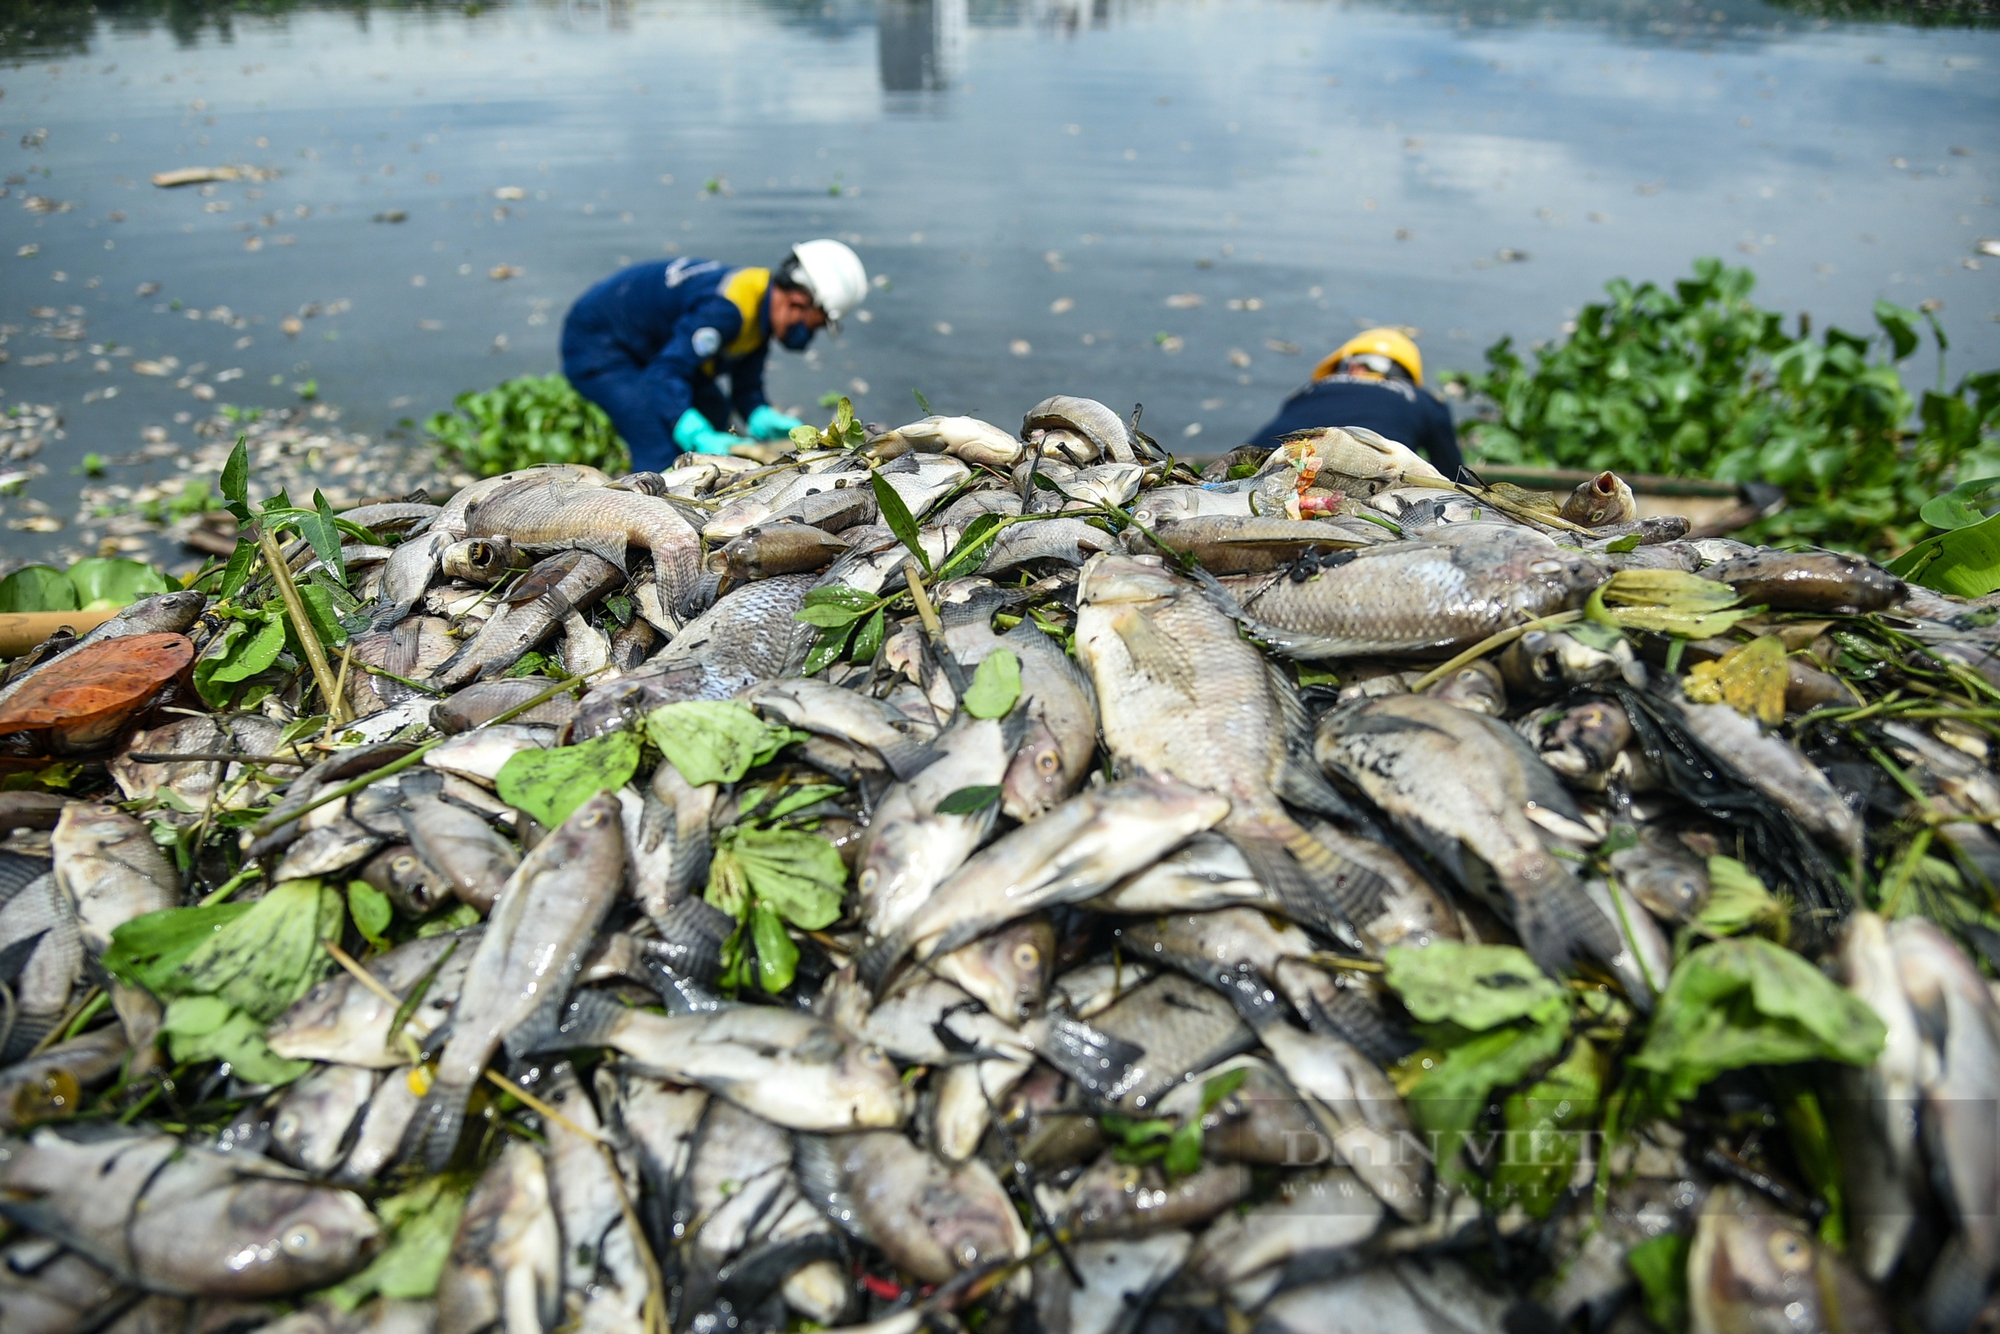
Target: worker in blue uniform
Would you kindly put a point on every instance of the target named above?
(1376, 380)
(649, 343)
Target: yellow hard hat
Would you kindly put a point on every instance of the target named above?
(1390, 343)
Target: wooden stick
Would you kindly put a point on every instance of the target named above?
(322, 670)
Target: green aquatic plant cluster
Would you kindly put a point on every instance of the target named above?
(1697, 380)
(525, 421)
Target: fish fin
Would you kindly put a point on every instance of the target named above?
(385, 615)
(1153, 652)
(822, 1182)
(907, 756)
(16, 955)
(17, 872)
(1956, 1288)
(1255, 1001)
(681, 995)
(1099, 1063)
(1353, 1017)
(433, 1131)
(1314, 887)
(878, 960)
(692, 933)
(1558, 924)
(545, 1020)
(27, 1034)
(591, 1019)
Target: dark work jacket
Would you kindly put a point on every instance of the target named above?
(1391, 408)
(684, 321)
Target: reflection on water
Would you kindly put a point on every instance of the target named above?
(922, 43)
(1179, 202)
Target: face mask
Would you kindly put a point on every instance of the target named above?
(797, 336)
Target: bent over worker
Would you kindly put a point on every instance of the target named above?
(1374, 379)
(649, 343)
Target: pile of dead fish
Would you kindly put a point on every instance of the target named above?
(1147, 792)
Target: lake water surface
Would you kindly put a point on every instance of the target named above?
(1181, 203)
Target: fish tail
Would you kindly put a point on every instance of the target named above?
(692, 933)
(1955, 1290)
(25, 1034)
(1098, 1062)
(1345, 1013)
(1559, 924)
(876, 962)
(590, 1019)
(433, 1132)
(1303, 877)
(906, 756)
(1356, 890)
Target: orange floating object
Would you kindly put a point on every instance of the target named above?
(82, 701)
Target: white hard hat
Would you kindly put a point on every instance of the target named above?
(833, 274)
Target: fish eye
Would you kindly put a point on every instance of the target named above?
(872, 1056)
(300, 1239)
(1048, 761)
(1790, 1251)
(593, 819)
(869, 879)
(1027, 956)
(403, 866)
(287, 1125)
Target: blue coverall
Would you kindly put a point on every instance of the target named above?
(1402, 412)
(647, 344)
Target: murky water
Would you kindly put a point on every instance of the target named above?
(1180, 202)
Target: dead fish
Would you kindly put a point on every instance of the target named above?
(542, 510)
(481, 560)
(789, 1068)
(1352, 460)
(1809, 581)
(1460, 782)
(40, 938)
(933, 1221)
(459, 845)
(310, 1127)
(1007, 970)
(816, 706)
(1753, 1271)
(1542, 663)
(748, 636)
(341, 1021)
(50, 1084)
(1116, 1282)
(163, 613)
(181, 1220)
(1586, 743)
(1875, 1124)
(505, 1265)
(1775, 768)
(967, 438)
(1477, 686)
(538, 605)
(667, 842)
(1114, 1199)
(534, 943)
(1086, 418)
(1158, 647)
(1421, 598)
(1603, 499)
(1068, 541)
(111, 871)
(779, 548)
(1076, 851)
(1251, 544)
(1180, 1026)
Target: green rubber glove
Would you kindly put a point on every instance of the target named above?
(694, 435)
(767, 423)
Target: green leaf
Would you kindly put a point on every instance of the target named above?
(1183, 1155)
(777, 956)
(1623, 545)
(235, 481)
(799, 875)
(108, 581)
(237, 572)
(323, 615)
(371, 910)
(828, 615)
(972, 547)
(1473, 986)
(270, 956)
(1660, 1265)
(1545, 1124)
(247, 654)
(715, 741)
(827, 649)
(996, 686)
(1747, 1001)
(322, 529)
(1964, 562)
(1451, 1097)
(551, 784)
(897, 516)
(923, 404)
(1221, 1086)
(868, 639)
(208, 1028)
(1737, 901)
(149, 949)
(841, 595)
(1958, 507)
(37, 588)
(968, 800)
(421, 1223)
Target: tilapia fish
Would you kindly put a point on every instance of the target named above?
(1104, 430)
(342, 1020)
(505, 1265)
(541, 926)
(932, 1220)
(746, 637)
(111, 871)
(173, 1219)
(1462, 783)
(1159, 648)
(542, 510)
(1421, 598)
